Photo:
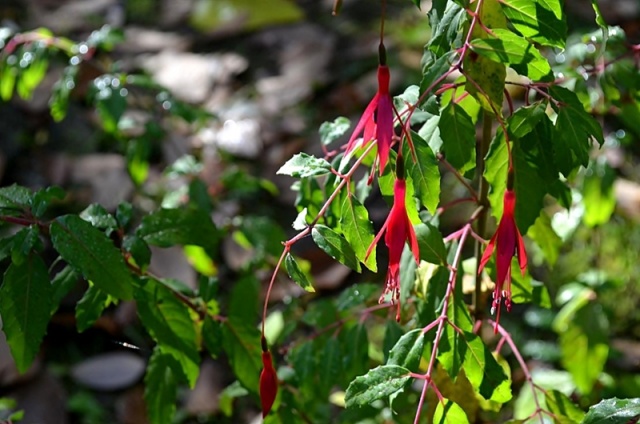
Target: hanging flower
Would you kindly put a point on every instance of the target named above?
(268, 381)
(507, 242)
(377, 120)
(398, 230)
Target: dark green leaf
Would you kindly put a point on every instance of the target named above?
(168, 321)
(212, 336)
(15, 197)
(357, 229)
(433, 68)
(91, 253)
(541, 21)
(43, 197)
(303, 165)
(90, 307)
(61, 284)
(161, 387)
(98, 216)
(483, 371)
(335, 246)
(392, 333)
(424, 172)
(124, 213)
(244, 299)
(139, 250)
(23, 243)
(458, 137)
(377, 384)
(303, 360)
(59, 101)
(168, 227)
(331, 131)
(356, 295)
(296, 274)
(525, 119)
(527, 290)
(241, 341)
(431, 244)
(613, 411)
(25, 305)
(447, 33)
(407, 352)
(356, 351)
(449, 412)
(330, 365)
(263, 234)
(561, 406)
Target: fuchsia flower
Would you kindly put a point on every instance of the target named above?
(398, 230)
(268, 381)
(377, 120)
(508, 242)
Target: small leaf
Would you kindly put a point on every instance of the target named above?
(296, 274)
(90, 307)
(161, 387)
(407, 352)
(613, 411)
(43, 197)
(168, 227)
(25, 305)
(378, 383)
(331, 131)
(303, 165)
(15, 197)
(335, 246)
(91, 253)
(431, 244)
(458, 137)
(98, 216)
(449, 412)
(561, 406)
(357, 229)
(424, 172)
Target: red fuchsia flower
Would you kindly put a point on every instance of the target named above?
(398, 230)
(268, 381)
(507, 242)
(377, 120)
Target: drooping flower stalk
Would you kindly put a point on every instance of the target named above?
(268, 380)
(397, 230)
(507, 242)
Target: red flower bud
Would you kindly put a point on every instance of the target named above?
(268, 383)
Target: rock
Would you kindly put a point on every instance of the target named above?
(43, 400)
(146, 40)
(109, 371)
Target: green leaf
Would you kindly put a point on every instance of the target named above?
(447, 31)
(212, 336)
(598, 195)
(574, 128)
(433, 68)
(91, 253)
(449, 412)
(424, 172)
(161, 387)
(168, 227)
(110, 100)
(561, 406)
(525, 119)
(356, 296)
(453, 349)
(139, 250)
(331, 131)
(408, 350)
(296, 274)
(62, 284)
(330, 364)
(357, 229)
(25, 305)
(261, 233)
(334, 245)
(458, 137)
(241, 342)
(378, 383)
(505, 47)
(90, 307)
(486, 376)
(541, 20)
(527, 290)
(599, 18)
(98, 216)
(138, 151)
(431, 244)
(15, 197)
(169, 323)
(59, 101)
(43, 197)
(243, 302)
(303, 165)
(546, 238)
(356, 351)
(613, 411)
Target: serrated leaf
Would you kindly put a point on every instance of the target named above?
(296, 274)
(525, 119)
(542, 21)
(25, 305)
(378, 383)
(561, 406)
(408, 350)
(447, 32)
(98, 216)
(431, 244)
(503, 47)
(483, 371)
(449, 412)
(358, 230)
(91, 253)
(241, 342)
(433, 68)
(303, 165)
(169, 227)
(169, 323)
(331, 131)
(90, 307)
(336, 246)
(161, 387)
(424, 172)
(613, 411)
(458, 137)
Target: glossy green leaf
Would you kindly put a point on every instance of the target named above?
(503, 47)
(168, 227)
(562, 407)
(98, 216)
(303, 165)
(139, 250)
(408, 350)
(449, 412)
(433, 69)
(296, 274)
(15, 197)
(447, 31)
(91, 253)
(161, 387)
(526, 289)
(358, 230)
(241, 342)
(331, 131)
(42, 199)
(431, 244)
(25, 305)
(525, 119)
(336, 246)
(613, 411)
(90, 307)
(542, 21)
(59, 101)
(62, 284)
(458, 137)
(486, 376)
(424, 172)
(169, 323)
(378, 383)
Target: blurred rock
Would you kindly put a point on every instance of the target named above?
(109, 371)
(43, 400)
(175, 12)
(627, 198)
(203, 399)
(172, 263)
(131, 407)
(74, 15)
(146, 40)
(106, 175)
